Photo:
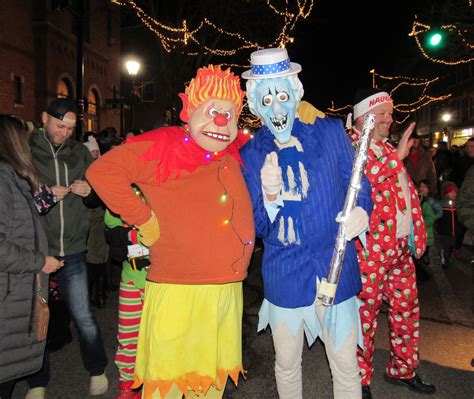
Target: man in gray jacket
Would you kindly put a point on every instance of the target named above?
(62, 163)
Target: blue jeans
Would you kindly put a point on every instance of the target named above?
(72, 280)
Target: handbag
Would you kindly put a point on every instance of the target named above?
(40, 313)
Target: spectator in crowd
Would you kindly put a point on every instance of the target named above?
(133, 132)
(97, 249)
(62, 161)
(431, 211)
(23, 250)
(465, 200)
(450, 230)
(443, 164)
(462, 162)
(108, 139)
(420, 166)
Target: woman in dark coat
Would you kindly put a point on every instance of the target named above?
(23, 249)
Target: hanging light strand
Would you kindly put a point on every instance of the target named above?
(171, 36)
(398, 81)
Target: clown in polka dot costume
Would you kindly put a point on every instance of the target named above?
(396, 233)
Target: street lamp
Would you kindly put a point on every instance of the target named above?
(446, 117)
(133, 66)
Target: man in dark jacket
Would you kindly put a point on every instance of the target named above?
(420, 165)
(62, 162)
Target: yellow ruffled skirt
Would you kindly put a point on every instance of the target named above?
(190, 339)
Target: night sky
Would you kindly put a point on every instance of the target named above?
(343, 40)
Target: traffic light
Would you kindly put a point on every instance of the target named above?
(435, 39)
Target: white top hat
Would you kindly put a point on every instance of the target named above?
(271, 63)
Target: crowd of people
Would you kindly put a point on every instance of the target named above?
(179, 209)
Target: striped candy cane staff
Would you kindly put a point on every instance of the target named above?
(328, 287)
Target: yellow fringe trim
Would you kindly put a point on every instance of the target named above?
(190, 381)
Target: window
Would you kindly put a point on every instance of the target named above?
(18, 89)
(92, 116)
(64, 88)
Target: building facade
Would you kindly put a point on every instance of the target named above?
(452, 120)
(39, 51)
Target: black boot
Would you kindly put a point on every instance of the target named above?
(366, 394)
(415, 384)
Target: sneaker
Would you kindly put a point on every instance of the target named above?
(99, 385)
(125, 391)
(36, 393)
(443, 260)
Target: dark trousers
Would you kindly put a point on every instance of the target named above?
(6, 389)
(97, 282)
(72, 280)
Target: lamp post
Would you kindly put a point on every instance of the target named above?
(132, 66)
(446, 117)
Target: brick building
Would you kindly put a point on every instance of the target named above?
(458, 110)
(38, 49)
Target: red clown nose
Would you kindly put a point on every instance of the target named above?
(220, 120)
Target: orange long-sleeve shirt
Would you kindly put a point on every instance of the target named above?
(205, 216)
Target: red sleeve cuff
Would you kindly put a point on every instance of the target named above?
(134, 236)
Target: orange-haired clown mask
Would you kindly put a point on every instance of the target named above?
(211, 106)
(213, 125)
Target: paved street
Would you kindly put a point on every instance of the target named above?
(447, 345)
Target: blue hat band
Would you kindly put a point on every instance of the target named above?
(269, 69)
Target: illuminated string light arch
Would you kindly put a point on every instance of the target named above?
(172, 36)
(423, 100)
(398, 82)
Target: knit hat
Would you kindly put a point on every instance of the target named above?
(92, 144)
(366, 100)
(448, 187)
(59, 107)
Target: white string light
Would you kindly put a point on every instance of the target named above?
(171, 36)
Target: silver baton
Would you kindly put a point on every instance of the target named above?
(327, 288)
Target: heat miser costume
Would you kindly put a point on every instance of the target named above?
(190, 333)
(396, 231)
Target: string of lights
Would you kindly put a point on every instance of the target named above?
(411, 107)
(419, 28)
(227, 198)
(398, 82)
(182, 34)
(338, 112)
